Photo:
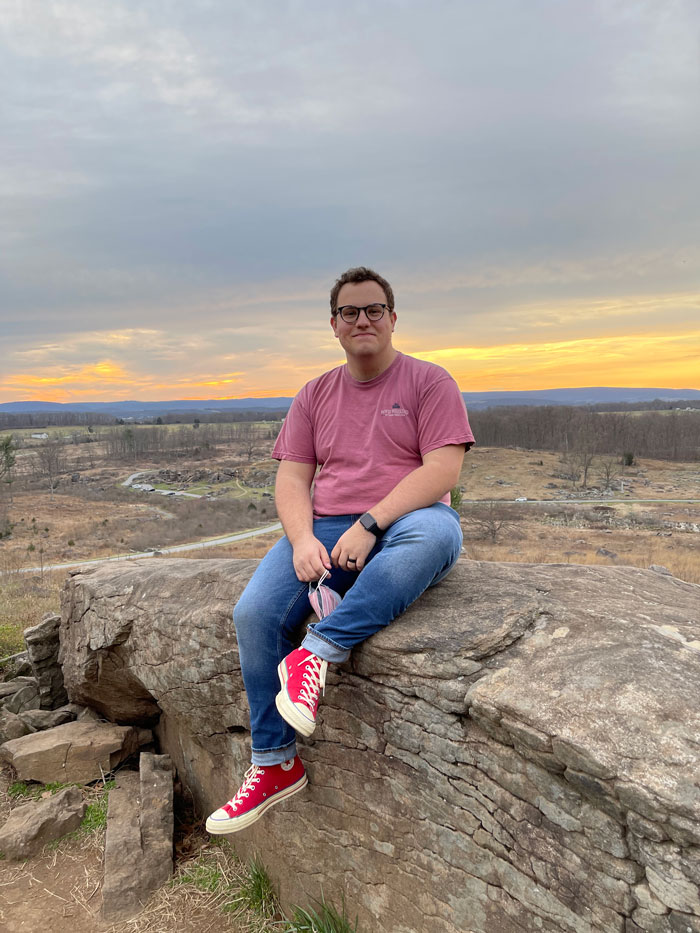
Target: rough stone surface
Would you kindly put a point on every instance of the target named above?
(8, 688)
(138, 855)
(42, 648)
(77, 751)
(517, 753)
(11, 726)
(37, 720)
(27, 697)
(30, 826)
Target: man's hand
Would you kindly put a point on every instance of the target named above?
(310, 559)
(356, 543)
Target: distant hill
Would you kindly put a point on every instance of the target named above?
(132, 408)
(474, 400)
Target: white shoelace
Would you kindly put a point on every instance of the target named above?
(250, 778)
(313, 680)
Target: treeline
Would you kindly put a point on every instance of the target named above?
(67, 419)
(131, 443)
(671, 436)
(659, 404)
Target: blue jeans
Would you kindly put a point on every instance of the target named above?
(416, 552)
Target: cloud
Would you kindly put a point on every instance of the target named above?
(192, 177)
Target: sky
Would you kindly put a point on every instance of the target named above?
(181, 183)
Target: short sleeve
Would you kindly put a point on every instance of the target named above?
(442, 416)
(296, 439)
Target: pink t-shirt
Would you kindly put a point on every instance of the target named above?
(366, 436)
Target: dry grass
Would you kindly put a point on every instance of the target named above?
(68, 527)
(538, 543)
(527, 473)
(247, 548)
(206, 895)
(24, 601)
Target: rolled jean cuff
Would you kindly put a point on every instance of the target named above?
(324, 648)
(273, 756)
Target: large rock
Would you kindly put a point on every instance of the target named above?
(26, 697)
(139, 840)
(32, 825)
(42, 643)
(11, 726)
(77, 751)
(518, 752)
(37, 720)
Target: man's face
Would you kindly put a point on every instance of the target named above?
(364, 337)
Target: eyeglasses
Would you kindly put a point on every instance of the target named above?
(350, 313)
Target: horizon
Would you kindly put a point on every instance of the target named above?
(181, 187)
(168, 401)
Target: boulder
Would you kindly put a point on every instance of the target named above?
(138, 855)
(11, 726)
(37, 720)
(77, 751)
(32, 825)
(517, 753)
(26, 698)
(42, 648)
(9, 687)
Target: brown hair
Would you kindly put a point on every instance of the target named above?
(361, 274)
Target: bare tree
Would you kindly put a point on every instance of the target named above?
(5, 524)
(570, 468)
(584, 456)
(489, 519)
(51, 462)
(7, 461)
(247, 435)
(608, 470)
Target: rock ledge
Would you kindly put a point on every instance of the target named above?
(517, 753)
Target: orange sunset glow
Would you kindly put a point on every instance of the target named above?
(621, 360)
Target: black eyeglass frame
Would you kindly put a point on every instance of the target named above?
(374, 304)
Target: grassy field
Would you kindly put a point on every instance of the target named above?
(97, 517)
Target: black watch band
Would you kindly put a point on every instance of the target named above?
(367, 521)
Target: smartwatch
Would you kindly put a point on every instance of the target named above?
(367, 521)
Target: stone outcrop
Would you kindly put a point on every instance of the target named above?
(77, 751)
(32, 825)
(138, 855)
(42, 648)
(518, 752)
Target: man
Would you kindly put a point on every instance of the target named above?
(389, 434)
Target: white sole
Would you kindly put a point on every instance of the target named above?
(221, 827)
(288, 710)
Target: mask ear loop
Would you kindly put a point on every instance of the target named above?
(315, 585)
(322, 598)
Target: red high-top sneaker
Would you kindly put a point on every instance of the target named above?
(262, 788)
(303, 676)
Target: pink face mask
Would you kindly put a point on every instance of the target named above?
(322, 598)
